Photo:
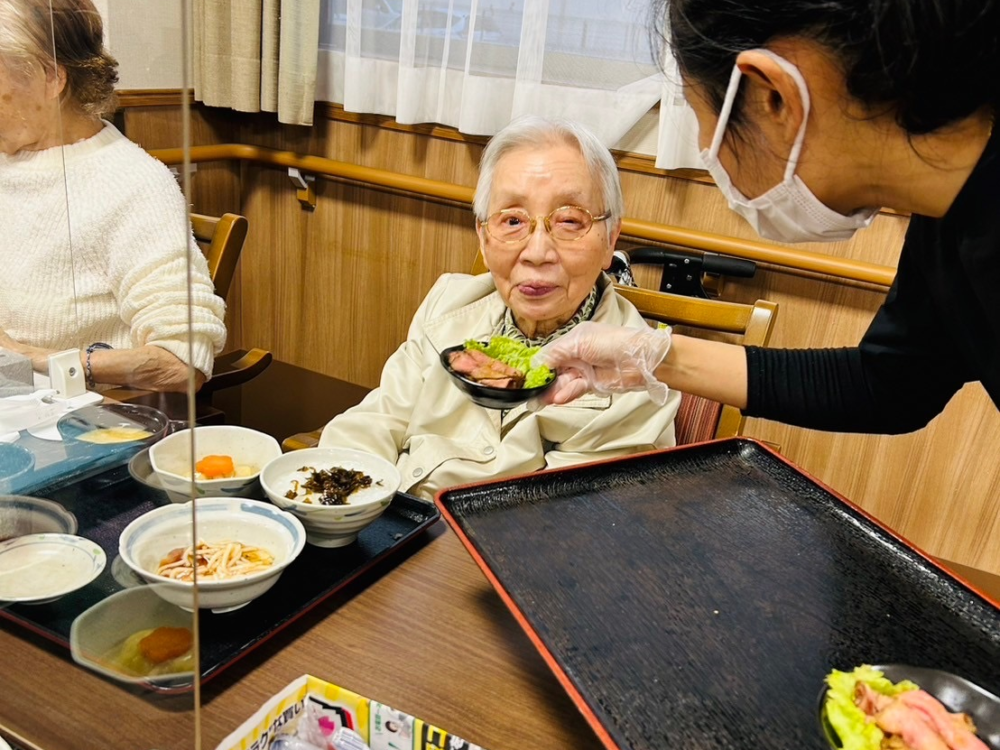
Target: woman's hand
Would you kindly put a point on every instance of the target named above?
(39, 357)
(149, 368)
(606, 359)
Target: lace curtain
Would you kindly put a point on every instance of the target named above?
(477, 64)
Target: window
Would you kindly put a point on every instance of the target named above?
(477, 64)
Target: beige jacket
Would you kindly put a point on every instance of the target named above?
(437, 438)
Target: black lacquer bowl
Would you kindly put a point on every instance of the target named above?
(956, 693)
(486, 396)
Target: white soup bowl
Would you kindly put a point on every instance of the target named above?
(152, 536)
(331, 525)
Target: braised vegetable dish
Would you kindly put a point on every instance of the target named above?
(332, 486)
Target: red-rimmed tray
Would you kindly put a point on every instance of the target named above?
(696, 598)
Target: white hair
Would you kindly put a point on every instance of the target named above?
(532, 131)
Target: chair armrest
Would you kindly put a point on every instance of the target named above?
(236, 368)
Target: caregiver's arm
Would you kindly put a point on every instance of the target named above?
(711, 369)
(897, 379)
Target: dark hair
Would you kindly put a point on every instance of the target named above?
(65, 33)
(929, 63)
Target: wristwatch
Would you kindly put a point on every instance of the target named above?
(90, 350)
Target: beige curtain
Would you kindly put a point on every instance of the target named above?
(257, 55)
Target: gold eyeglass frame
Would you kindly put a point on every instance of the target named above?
(546, 221)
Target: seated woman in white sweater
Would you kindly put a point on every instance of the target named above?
(548, 212)
(96, 239)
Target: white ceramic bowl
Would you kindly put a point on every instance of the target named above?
(40, 568)
(171, 460)
(150, 537)
(96, 635)
(332, 525)
(21, 515)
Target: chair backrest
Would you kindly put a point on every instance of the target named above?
(222, 240)
(699, 418)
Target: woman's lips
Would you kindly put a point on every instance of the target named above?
(534, 289)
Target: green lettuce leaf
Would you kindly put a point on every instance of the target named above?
(517, 355)
(849, 721)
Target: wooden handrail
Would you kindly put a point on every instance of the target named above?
(788, 259)
(784, 257)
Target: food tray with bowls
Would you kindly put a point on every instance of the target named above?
(106, 504)
(697, 597)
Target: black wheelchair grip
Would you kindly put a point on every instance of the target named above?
(725, 265)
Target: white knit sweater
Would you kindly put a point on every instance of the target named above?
(112, 268)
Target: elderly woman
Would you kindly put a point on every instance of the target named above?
(548, 212)
(96, 240)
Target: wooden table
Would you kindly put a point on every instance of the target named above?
(426, 635)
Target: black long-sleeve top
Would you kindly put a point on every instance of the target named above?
(938, 329)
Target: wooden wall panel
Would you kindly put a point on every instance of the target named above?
(337, 286)
(333, 290)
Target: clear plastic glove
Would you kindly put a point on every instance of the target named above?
(601, 358)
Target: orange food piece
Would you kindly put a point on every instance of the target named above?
(173, 556)
(164, 644)
(216, 467)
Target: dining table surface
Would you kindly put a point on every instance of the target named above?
(423, 631)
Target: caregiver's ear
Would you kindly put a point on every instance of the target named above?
(772, 98)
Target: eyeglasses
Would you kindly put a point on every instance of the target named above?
(566, 224)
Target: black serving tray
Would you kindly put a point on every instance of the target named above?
(104, 505)
(697, 597)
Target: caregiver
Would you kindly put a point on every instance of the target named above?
(812, 114)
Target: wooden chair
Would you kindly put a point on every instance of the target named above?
(698, 418)
(221, 239)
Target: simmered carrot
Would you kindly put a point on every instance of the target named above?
(166, 643)
(215, 467)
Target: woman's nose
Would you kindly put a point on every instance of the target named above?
(540, 248)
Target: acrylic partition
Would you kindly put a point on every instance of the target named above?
(98, 267)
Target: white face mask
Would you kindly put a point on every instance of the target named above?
(788, 212)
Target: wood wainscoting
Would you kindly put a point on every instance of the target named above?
(333, 290)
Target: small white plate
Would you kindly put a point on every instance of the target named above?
(40, 568)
